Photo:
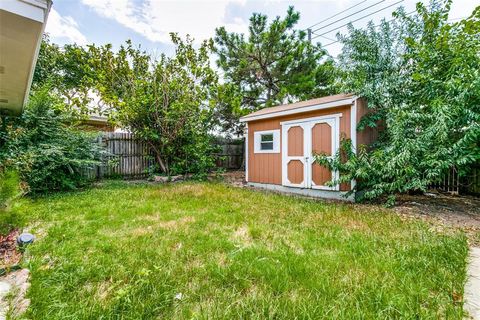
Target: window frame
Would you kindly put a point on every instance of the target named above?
(275, 141)
(269, 142)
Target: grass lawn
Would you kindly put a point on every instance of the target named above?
(207, 250)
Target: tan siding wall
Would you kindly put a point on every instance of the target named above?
(368, 135)
(267, 167)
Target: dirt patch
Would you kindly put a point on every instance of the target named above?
(242, 236)
(444, 210)
(235, 178)
(460, 211)
(175, 224)
(196, 190)
(9, 254)
(103, 290)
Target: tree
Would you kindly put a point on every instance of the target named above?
(166, 102)
(421, 77)
(68, 72)
(274, 65)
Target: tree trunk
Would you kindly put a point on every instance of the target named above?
(158, 158)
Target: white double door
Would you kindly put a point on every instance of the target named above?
(301, 140)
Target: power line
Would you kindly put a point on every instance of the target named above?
(336, 14)
(352, 14)
(328, 38)
(375, 26)
(378, 25)
(459, 18)
(365, 16)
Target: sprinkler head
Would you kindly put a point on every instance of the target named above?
(25, 239)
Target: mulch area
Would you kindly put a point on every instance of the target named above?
(452, 211)
(9, 253)
(459, 211)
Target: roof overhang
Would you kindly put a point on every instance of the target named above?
(314, 107)
(22, 23)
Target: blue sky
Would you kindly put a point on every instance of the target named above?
(148, 22)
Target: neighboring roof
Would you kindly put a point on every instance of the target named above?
(97, 119)
(302, 106)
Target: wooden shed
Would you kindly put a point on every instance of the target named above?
(281, 142)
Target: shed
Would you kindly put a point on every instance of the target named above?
(281, 141)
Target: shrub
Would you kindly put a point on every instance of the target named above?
(421, 77)
(44, 146)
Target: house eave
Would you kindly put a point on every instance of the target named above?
(21, 30)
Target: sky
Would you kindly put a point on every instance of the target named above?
(148, 23)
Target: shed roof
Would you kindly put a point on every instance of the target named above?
(302, 106)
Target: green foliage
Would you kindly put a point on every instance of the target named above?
(44, 146)
(9, 188)
(421, 77)
(167, 102)
(275, 64)
(69, 73)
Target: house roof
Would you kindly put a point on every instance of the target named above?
(302, 106)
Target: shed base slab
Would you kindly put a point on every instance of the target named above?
(325, 194)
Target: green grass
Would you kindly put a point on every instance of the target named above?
(126, 251)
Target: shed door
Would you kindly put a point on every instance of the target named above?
(301, 140)
(294, 171)
(324, 140)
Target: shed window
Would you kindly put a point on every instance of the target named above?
(267, 141)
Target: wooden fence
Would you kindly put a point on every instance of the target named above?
(231, 154)
(450, 182)
(454, 184)
(128, 157)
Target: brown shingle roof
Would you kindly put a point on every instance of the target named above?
(297, 105)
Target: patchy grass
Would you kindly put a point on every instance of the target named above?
(207, 250)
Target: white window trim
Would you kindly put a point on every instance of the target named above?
(353, 133)
(257, 138)
(298, 121)
(246, 152)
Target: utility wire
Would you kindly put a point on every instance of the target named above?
(365, 16)
(375, 26)
(328, 38)
(350, 15)
(336, 14)
(378, 25)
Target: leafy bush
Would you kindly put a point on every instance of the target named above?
(44, 146)
(421, 77)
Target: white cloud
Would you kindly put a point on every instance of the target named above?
(155, 19)
(64, 29)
